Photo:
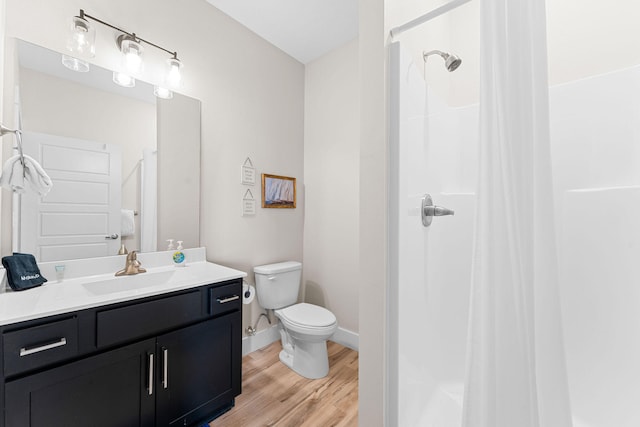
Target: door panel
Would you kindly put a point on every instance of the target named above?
(82, 208)
(202, 370)
(107, 390)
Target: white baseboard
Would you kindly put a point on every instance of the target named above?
(267, 336)
(346, 338)
(261, 339)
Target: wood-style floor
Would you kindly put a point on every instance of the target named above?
(274, 395)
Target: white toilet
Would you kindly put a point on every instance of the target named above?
(305, 327)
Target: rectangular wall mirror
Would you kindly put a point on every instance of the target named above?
(125, 165)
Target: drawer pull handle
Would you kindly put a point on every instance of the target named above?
(150, 374)
(165, 373)
(227, 299)
(27, 351)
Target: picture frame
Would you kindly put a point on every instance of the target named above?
(278, 191)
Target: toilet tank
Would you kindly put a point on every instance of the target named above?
(277, 285)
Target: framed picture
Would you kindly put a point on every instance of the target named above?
(278, 191)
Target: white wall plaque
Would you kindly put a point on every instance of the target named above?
(248, 204)
(248, 173)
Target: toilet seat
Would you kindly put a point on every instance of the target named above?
(307, 318)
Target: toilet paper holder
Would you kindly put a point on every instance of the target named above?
(248, 293)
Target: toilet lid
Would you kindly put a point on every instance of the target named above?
(308, 315)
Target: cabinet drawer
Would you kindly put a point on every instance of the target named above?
(144, 319)
(223, 299)
(37, 346)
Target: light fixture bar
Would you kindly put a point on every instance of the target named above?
(135, 37)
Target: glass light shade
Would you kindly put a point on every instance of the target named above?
(75, 64)
(123, 79)
(132, 55)
(174, 74)
(162, 92)
(81, 41)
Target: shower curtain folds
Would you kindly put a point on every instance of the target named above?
(516, 374)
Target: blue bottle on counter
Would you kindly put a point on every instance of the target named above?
(178, 256)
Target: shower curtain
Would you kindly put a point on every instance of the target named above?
(516, 374)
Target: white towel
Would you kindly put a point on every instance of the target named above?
(128, 227)
(14, 176)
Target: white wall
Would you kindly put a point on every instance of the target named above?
(587, 38)
(252, 105)
(584, 39)
(373, 214)
(331, 174)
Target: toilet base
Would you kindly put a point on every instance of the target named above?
(309, 359)
(286, 358)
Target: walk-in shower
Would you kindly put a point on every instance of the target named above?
(591, 300)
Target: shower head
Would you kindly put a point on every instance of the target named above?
(451, 61)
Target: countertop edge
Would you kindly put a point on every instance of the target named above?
(58, 298)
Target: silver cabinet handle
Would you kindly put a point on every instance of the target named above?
(24, 351)
(227, 299)
(150, 374)
(165, 374)
(429, 210)
(114, 236)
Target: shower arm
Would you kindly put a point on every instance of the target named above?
(435, 52)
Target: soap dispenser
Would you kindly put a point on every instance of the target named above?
(170, 246)
(178, 256)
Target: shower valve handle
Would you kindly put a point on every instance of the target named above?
(429, 210)
(437, 211)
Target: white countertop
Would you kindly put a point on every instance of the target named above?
(75, 294)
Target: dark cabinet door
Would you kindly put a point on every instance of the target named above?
(107, 390)
(199, 371)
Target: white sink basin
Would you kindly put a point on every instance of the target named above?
(128, 283)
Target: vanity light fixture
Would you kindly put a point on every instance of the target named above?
(162, 92)
(172, 78)
(131, 53)
(81, 45)
(123, 79)
(174, 74)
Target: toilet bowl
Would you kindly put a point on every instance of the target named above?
(304, 333)
(304, 328)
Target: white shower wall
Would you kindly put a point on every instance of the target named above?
(433, 151)
(595, 130)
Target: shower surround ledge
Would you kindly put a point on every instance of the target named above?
(73, 292)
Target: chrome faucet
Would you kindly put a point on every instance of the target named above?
(132, 266)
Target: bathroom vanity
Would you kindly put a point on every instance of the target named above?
(105, 352)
